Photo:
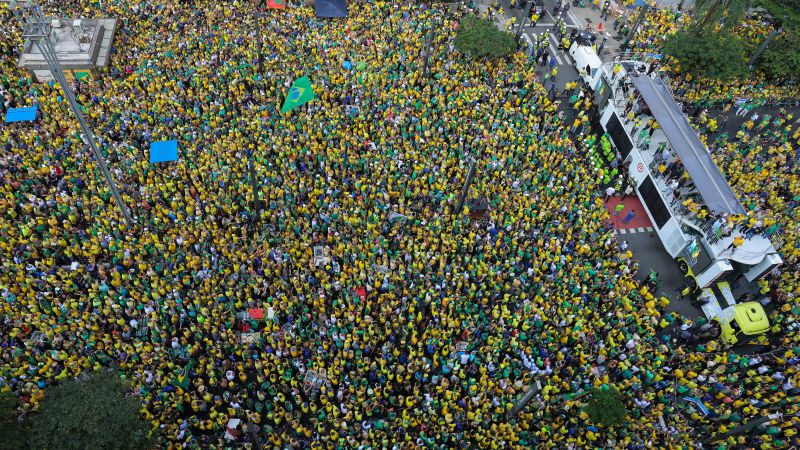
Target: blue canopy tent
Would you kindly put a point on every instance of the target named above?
(330, 8)
(22, 114)
(163, 151)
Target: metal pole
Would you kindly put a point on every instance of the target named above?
(428, 50)
(251, 428)
(388, 7)
(250, 156)
(464, 189)
(533, 390)
(258, 39)
(741, 429)
(524, 18)
(635, 26)
(38, 31)
(764, 46)
(254, 185)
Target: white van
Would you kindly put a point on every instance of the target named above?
(587, 63)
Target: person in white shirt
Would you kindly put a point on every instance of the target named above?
(610, 191)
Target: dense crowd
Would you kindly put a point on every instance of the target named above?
(391, 318)
(661, 23)
(760, 161)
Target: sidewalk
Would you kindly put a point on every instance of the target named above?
(590, 18)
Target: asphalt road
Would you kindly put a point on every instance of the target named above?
(732, 122)
(566, 72)
(650, 253)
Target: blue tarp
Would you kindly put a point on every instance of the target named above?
(163, 151)
(21, 114)
(330, 8)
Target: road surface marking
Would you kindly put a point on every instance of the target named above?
(575, 22)
(528, 40)
(574, 19)
(554, 48)
(634, 230)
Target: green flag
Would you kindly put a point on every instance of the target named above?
(299, 93)
(181, 380)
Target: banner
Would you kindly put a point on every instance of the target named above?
(21, 114)
(163, 151)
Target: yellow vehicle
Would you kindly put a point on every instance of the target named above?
(742, 320)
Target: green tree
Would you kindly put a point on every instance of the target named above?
(787, 11)
(782, 58)
(605, 407)
(710, 12)
(12, 433)
(91, 412)
(716, 55)
(480, 38)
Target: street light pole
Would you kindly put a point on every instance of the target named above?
(465, 188)
(638, 22)
(258, 38)
(37, 30)
(524, 18)
(251, 428)
(250, 153)
(428, 51)
(764, 45)
(741, 429)
(254, 185)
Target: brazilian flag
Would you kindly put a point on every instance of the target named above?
(181, 380)
(300, 93)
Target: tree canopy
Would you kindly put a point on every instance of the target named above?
(12, 433)
(605, 407)
(782, 58)
(788, 11)
(717, 55)
(92, 412)
(710, 12)
(480, 38)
